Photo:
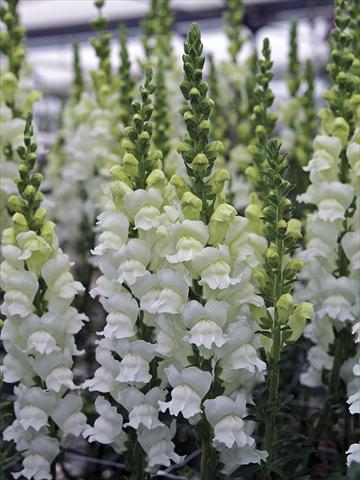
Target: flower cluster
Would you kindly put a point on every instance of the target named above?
(177, 264)
(38, 332)
(16, 97)
(332, 249)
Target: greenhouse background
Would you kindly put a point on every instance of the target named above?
(180, 221)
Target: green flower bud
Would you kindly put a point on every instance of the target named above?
(16, 203)
(48, 232)
(20, 223)
(127, 144)
(260, 276)
(118, 173)
(297, 320)
(281, 227)
(179, 184)
(294, 225)
(40, 214)
(194, 94)
(272, 256)
(130, 164)
(327, 120)
(219, 179)
(292, 268)
(191, 206)
(29, 192)
(9, 86)
(341, 129)
(285, 307)
(36, 180)
(253, 174)
(219, 223)
(118, 191)
(200, 164)
(33, 97)
(156, 179)
(9, 235)
(260, 316)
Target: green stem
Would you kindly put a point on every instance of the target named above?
(208, 455)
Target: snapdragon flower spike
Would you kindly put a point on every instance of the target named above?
(126, 82)
(157, 31)
(39, 328)
(263, 120)
(282, 322)
(139, 161)
(140, 294)
(199, 155)
(16, 98)
(334, 169)
(234, 18)
(102, 77)
(162, 126)
(293, 78)
(78, 82)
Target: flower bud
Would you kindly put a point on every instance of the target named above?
(259, 314)
(341, 129)
(40, 214)
(29, 192)
(16, 203)
(292, 268)
(20, 223)
(9, 86)
(294, 225)
(284, 307)
(327, 120)
(218, 180)
(179, 184)
(219, 223)
(48, 232)
(281, 227)
(200, 164)
(191, 206)
(130, 164)
(253, 174)
(9, 236)
(297, 320)
(156, 179)
(36, 180)
(194, 94)
(272, 256)
(260, 276)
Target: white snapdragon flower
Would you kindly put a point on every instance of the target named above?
(234, 457)
(122, 311)
(143, 207)
(143, 408)
(134, 366)
(213, 267)
(187, 239)
(189, 387)
(163, 292)
(318, 359)
(226, 417)
(239, 353)
(104, 380)
(206, 322)
(331, 198)
(133, 259)
(20, 289)
(114, 228)
(170, 345)
(353, 454)
(158, 445)
(107, 428)
(324, 165)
